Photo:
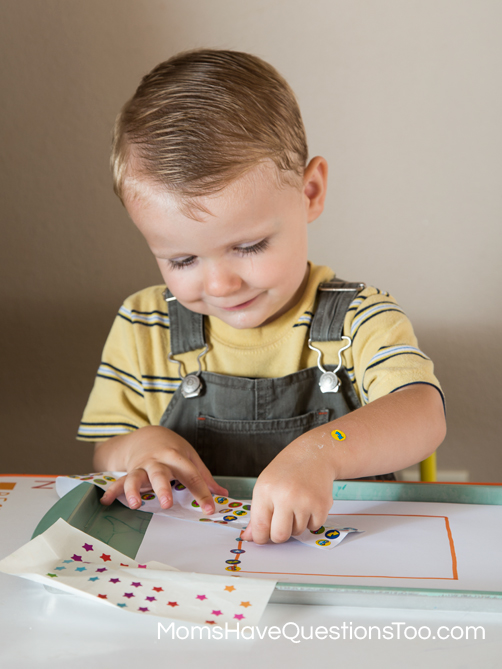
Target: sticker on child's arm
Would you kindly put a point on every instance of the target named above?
(338, 435)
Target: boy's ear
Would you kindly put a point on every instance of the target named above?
(315, 183)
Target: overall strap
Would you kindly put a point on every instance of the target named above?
(186, 328)
(333, 300)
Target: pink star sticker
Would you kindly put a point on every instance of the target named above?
(217, 613)
(77, 558)
(88, 547)
(136, 584)
(151, 599)
(239, 616)
(142, 566)
(105, 558)
(201, 597)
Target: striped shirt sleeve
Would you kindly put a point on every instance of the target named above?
(127, 394)
(384, 355)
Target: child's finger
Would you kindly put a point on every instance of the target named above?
(160, 477)
(261, 518)
(281, 525)
(300, 523)
(192, 478)
(132, 485)
(214, 487)
(113, 491)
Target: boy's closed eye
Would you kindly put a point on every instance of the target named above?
(181, 263)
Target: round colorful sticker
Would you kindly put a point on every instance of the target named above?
(319, 531)
(338, 435)
(323, 542)
(246, 507)
(233, 567)
(237, 551)
(233, 561)
(179, 486)
(195, 504)
(148, 495)
(225, 511)
(100, 481)
(229, 518)
(205, 520)
(221, 500)
(108, 478)
(332, 534)
(240, 512)
(235, 504)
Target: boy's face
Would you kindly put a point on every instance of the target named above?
(246, 260)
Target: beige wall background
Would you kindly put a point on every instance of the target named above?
(402, 97)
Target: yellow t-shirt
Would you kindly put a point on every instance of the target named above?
(135, 379)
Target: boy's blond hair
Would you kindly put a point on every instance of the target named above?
(202, 119)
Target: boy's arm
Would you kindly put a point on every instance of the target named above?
(393, 432)
(154, 456)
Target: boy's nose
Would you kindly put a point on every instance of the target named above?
(220, 281)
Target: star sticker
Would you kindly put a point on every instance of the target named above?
(94, 578)
(239, 616)
(211, 622)
(122, 604)
(103, 596)
(102, 569)
(142, 566)
(123, 565)
(172, 604)
(81, 569)
(217, 613)
(105, 558)
(229, 588)
(201, 597)
(245, 604)
(52, 575)
(88, 547)
(115, 580)
(67, 561)
(136, 584)
(143, 608)
(128, 595)
(151, 599)
(76, 558)
(158, 589)
(59, 568)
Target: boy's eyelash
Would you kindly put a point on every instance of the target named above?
(243, 250)
(256, 248)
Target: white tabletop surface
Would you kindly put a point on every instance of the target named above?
(41, 629)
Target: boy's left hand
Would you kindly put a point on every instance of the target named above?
(293, 493)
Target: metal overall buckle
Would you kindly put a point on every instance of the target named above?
(329, 381)
(191, 384)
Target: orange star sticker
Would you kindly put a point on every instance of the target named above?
(229, 588)
(245, 604)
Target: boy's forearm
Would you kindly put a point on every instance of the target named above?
(389, 434)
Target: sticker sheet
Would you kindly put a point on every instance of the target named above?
(63, 557)
(231, 512)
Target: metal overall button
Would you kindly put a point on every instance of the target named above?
(329, 381)
(191, 384)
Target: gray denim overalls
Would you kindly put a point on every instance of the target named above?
(238, 425)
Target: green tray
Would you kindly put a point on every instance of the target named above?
(124, 529)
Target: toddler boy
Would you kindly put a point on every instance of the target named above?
(253, 361)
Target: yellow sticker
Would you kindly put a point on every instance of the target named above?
(338, 435)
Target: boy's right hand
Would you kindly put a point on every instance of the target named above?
(153, 456)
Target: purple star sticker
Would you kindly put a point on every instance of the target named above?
(128, 595)
(76, 558)
(136, 584)
(115, 580)
(102, 569)
(151, 599)
(143, 609)
(88, 547)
